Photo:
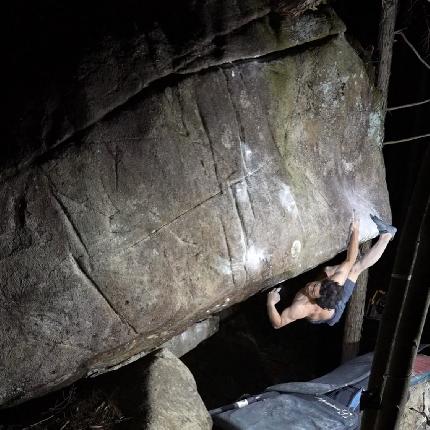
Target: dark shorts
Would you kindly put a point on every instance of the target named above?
(348, 288)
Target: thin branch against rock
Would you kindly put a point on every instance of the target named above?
(41, 421)
(390, 142)
(408, 105)
(400, 33)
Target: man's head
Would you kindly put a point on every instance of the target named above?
(326, 293)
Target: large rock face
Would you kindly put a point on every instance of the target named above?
(204, 188)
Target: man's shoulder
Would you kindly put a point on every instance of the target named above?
(302, 305)
(301, 296)
(300, 300)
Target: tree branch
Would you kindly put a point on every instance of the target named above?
(408, 105)
(390, 142)
(413, 49)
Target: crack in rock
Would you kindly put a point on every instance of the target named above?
(80, 269)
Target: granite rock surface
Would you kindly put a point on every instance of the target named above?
(205, 187)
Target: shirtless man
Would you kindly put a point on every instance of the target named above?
(323, 302)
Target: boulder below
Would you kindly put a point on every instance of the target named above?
(159, 393)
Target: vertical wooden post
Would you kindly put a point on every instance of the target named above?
(355, 314)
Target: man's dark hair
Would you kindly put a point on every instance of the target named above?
(330, 294)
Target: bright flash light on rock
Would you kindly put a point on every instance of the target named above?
(254, 256)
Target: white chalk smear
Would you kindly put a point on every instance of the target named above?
(241, 193)
(226, 139)
(246, 151)
(362, 208)
(223, 266)
(348, 167)
(287, 200)
(244, 100)
(296, 248)
(253, 257)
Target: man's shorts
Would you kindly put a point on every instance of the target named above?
(348, 288)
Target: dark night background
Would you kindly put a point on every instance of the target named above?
(247, 354)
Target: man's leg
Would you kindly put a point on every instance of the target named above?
(371, 257)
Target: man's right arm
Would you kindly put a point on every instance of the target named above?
(342, 271)
(288, 315)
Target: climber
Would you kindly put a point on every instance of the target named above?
(323, 302)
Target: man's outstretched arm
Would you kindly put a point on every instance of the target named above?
(342, 271)
(288, 315)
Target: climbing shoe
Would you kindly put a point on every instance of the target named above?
(383, 227)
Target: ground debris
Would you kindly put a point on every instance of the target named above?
(76, 408)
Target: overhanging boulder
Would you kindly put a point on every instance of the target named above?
(196, 194)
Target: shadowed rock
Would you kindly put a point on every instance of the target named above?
(77, 67)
